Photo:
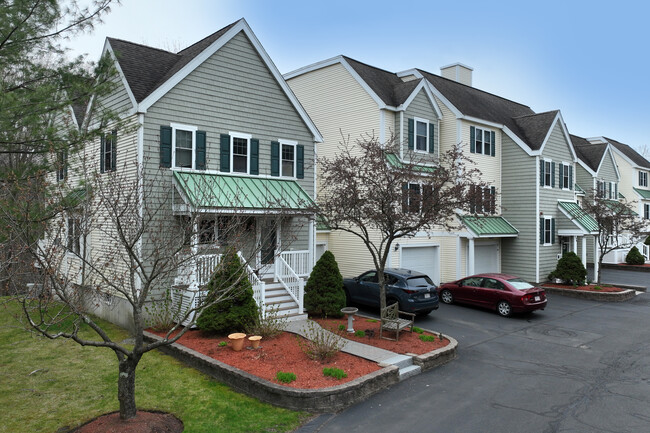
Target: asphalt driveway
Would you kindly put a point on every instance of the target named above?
(578, 366)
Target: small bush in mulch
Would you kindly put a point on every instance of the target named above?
(570, 269)
(634, 257)
(324, 295)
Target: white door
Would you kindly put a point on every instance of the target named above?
(486, 258)
(422, 259)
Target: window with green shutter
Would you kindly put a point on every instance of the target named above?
(421, 135)
(482, 141)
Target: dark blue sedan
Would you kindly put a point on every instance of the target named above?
(412, 290)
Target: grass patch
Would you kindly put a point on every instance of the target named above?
(360, 333)
(428, 337)
(418, 330)
(285, 377)
(48, 384)
(372, 320)
(336, 373)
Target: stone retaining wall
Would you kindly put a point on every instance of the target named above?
(439, 356)
(323, 400)
(594, 296)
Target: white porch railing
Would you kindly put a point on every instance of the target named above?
(646, 252)
(259, 287)
(291, 281)
(196, 271)
(299, 261)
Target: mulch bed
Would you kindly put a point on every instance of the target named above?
(588, 288)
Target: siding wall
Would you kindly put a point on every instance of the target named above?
(232, 91)
(118, 101)
(420, 107)
(448, 128)
(558, 149)
(519, 183)
(490, 166)
(607, 170)
(584, 178)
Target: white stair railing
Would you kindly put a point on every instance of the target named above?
(291, 281)
(299, 261)
(646, 251)
(259, 286)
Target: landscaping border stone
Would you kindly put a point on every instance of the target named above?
(322, 400)
(593, 296)
(437, 357)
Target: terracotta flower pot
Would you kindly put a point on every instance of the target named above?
(237, 340)
(255, 341)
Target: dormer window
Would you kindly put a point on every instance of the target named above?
(421, 135)
(643, 178)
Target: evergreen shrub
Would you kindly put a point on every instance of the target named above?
(634, 257)
(324, 294)
(570, 269)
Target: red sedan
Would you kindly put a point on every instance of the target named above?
(504, 293)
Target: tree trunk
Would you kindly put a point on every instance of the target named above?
(126, 387)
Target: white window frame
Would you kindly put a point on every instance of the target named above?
(565, 174)
(547, 173)
(643, 182)
(612, 196)
(408, 196)
(548, 220)
(415, 135)
(646, 211)
(479, 135)
(246, 137)
(73, 238)
(294, 144)
(181, 127)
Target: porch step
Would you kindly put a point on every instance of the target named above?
(405, 364)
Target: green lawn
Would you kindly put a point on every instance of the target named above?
(49, 384)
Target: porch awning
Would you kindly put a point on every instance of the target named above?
(394, 161)
(643, 193)
(204, 191)
(578, 216)
(490, 226)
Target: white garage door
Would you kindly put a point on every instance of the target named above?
(422, 259)
(486, 258)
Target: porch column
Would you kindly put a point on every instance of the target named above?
(470, 257)
(596, 254)
(575, 244)
(311, 247)
(584, 251)
(458, 257)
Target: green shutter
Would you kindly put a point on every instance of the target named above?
(102, 150)
(541, 172)
(166, 146)
(561, 174)
(571, 177)
(541, 231)
(199, 162)
(494, 143)
(552, 230)
(224, 153)
(432, 138)
(472, 139)
(300, 161)
(493, 200)
(255, 156)
(411, 134)
(114, 151)
(552, 175)
(275, 158)
(610, 189)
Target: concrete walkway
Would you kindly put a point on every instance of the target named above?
(304, 328)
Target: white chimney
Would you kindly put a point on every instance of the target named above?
(458, 72)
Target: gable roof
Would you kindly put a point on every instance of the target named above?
(629, 153)
(590, 154)
(534, 128)
(148, 73)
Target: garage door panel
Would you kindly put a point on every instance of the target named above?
(486, 259)
(422, 259)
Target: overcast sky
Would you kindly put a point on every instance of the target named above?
(590, 59)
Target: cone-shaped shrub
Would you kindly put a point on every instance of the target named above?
(570, 269)
(324, 295)
(634, 257)
(237, 310)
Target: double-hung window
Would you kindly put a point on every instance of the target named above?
(183, 146)
(414, 197)
(74, 234)
(646, 211)
(482, 141)
(62, 165)
(548, 173)
(643, 178)
(547, 230)
(566, 174)
(482, 200)
(240, 152)
(421, 135)
(288, 156)
(108, 157)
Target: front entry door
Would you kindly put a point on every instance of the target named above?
(268, 247)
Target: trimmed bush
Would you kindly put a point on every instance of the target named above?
(237, 310)
(570, 269)
(324, 294)
(634, 257)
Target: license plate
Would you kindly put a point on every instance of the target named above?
(427, 295)
(537, 298)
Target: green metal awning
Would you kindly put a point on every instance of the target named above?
(644, 193)
(578, 216)
(489, 226)
(579, 189)
(321, 224)
(394, 161)
(224, 192)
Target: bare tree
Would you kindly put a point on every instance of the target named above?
(369, 192)
(143, 249)
(618, 226)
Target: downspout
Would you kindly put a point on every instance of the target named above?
(401, 135)
(140, 172)
(537, 228)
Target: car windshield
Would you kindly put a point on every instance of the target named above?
(520, 284)
(421, 281)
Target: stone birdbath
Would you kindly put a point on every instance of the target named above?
(350, 312)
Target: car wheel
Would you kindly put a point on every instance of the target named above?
(446, 297)
(504, 309)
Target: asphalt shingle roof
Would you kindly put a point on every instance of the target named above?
(533, 128)
(590, 154)
(146, 68)
(630, 153)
